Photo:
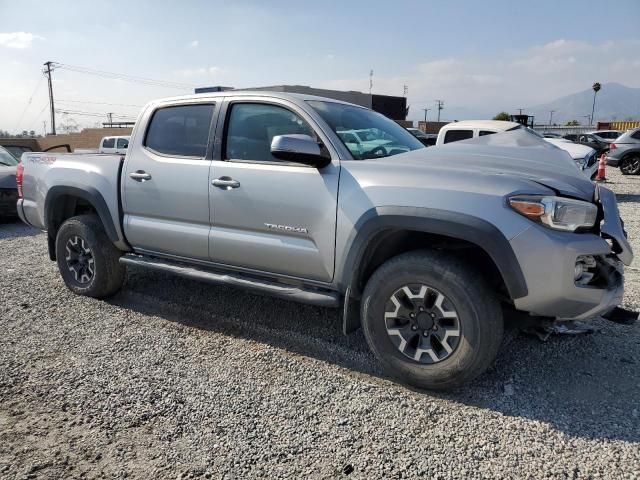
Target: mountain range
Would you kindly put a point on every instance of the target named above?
(613, 102)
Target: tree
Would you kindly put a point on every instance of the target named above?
(572, 123)
(69, 125)
(502, 116)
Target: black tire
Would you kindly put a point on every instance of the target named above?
(479, 316)
(630, 165)
(105, 275)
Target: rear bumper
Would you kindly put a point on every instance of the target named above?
(613, 161)
(8, 199)
(19, 208)
(548, 259)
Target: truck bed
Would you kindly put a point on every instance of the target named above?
(48, 175)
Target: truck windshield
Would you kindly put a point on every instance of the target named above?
(365, 133)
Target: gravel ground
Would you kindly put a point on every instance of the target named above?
(177, 379)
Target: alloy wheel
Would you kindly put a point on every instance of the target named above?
(631, 165)
(79, 259)
(422, 323)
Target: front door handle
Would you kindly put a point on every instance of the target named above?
(140, 176)
(226, 183)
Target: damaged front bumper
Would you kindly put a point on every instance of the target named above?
(548, 259)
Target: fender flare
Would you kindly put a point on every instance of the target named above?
(89, 194)
(428, 220)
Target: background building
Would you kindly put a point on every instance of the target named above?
(393, 107)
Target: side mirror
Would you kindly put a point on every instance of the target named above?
(300, 149)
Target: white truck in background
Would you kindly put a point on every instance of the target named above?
(116, 144)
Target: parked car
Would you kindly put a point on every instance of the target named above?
(427, 139)
(584, 157)
(8, 187)
(371, 141)
(117, 144)
(606, 135)
(590, 141)
(625, 152)
(424, 249)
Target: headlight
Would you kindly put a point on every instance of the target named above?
(558, 213)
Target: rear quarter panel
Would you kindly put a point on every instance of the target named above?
(42, 171)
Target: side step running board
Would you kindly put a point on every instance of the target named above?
(289, 292)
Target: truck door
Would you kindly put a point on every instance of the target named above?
(269, 215)
(165, 182)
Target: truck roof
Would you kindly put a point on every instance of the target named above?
(295, 97)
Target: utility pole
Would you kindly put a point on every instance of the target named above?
(44, 128)
(520, 110)
(405, 91)
(370, 81)
(440, 104)
(53, 115)
(110, 117)
(425, 116)
(551, 112)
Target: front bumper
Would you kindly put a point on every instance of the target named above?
(548, 259)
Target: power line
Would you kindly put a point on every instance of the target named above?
(101, 103)
(37, 117)
(91, 114)
(124, 77)
(28, 103)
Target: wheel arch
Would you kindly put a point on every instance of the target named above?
(63, 202)
(382, 233)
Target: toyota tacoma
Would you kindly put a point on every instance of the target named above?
(424, 248)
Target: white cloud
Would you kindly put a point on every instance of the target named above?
(517, 79)
(194, 44)
(17, 39)
(329, 56)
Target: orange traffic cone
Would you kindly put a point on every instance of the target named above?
(601, 168)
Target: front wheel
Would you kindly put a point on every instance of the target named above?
(432, 322)
(630, 165)
(88, 261)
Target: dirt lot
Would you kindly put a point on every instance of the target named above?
(177, 379)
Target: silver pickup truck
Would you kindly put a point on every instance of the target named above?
(423, 248)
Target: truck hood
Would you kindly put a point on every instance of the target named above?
(517, 154)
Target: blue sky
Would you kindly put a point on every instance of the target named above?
(479, 57)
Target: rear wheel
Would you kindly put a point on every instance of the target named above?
(88, 261)
(630, 165)
(432, 322)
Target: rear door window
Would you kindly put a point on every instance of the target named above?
(456, 135)
(182, 130)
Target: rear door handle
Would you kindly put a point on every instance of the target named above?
(226, 183)
(140, 176)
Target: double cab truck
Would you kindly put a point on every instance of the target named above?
(424, 248)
